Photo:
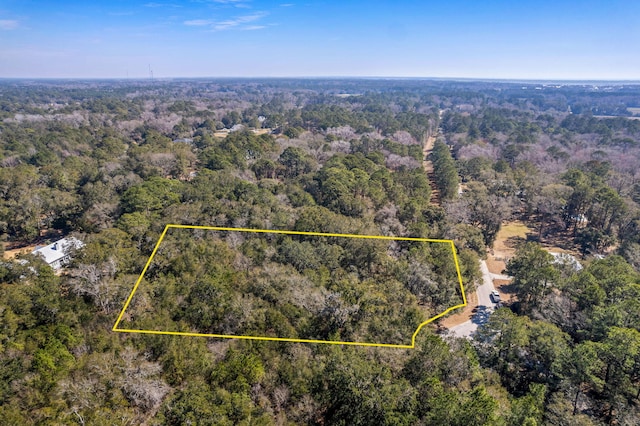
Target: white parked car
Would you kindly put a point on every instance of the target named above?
(495, 296)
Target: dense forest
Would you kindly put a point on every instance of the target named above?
(111, 163)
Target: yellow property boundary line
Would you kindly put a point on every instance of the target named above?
(283, 339)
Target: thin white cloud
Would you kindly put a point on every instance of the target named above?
(287, 5)
(252, 17)
(154, 4)
(225, 25)
(253, 27)
(8, 24)
(240, 4)
(239, 23)
(198, 22)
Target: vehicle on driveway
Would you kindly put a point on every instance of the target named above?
(495, 297)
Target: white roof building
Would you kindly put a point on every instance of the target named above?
(567, 259)
(58, 254)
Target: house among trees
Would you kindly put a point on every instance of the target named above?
(58, 254)
(567, 259)
(184, 140)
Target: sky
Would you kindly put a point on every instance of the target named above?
(484, 39)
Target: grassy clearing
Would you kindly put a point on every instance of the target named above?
(513, 229)
(507, 240)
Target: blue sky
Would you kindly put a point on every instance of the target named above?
(522, 39)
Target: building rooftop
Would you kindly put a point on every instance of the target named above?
(55, 253)
(568, 259)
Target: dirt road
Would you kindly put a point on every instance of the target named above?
(427, 147)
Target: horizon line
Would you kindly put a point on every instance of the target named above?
(339, 77)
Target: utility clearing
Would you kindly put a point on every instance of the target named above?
(427, 165)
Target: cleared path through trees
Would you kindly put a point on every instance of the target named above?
(427, 165)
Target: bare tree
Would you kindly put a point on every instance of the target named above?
(96, 282)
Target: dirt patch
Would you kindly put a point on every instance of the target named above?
(495, 266)
(560, 242)
(463, 315)
(11, 253)
(224, 133)
(506, 290)
(261, 131)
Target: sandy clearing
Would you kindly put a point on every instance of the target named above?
(495, 266)
(462, 315)
(506, 292)
(224, 133)
(10, 254)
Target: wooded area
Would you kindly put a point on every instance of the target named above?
(112, 162)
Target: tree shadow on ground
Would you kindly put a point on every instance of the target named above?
(481, 315)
